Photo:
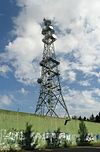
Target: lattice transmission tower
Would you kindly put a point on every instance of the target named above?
(50, 101)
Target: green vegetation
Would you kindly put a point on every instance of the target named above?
(28, 138)
(84, 138)
(82, 131)
(18, 120)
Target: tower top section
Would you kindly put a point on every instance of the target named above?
(48, 32)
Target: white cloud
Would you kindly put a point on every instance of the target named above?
(81, 102)
(22, 51)
(83, 21)
(64, 64)
(4, 69)
(66, 71)
(70, 76)
(98, 80)
(5, 100)
(23, 91)
(84, 83)
(96, 91)
(83, 42)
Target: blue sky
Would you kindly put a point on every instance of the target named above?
(77, 48)
(8, 10)
(10, 89)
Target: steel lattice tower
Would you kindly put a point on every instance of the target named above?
(50, 101)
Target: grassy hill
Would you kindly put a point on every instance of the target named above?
(18, 120)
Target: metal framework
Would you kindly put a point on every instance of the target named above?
(50, 101)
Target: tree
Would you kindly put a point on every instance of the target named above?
(84, 118)
(97, 118)
(80, 118)
(82, 131)
(53, 141)
(28, 138)
(57, 140)
(74, 117)
(92, 118)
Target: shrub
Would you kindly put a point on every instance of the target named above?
(65, 143)
(53, 142)
(28, 138)
(83, 134)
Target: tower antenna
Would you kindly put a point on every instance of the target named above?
(50, 101)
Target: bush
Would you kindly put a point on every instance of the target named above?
(41, 143)
(53, 142)
(65, 143)
(83, 134)
(27, 142)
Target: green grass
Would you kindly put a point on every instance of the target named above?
(18, 120)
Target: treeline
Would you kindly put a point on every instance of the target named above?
(92, 118)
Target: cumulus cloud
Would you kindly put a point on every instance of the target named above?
(70, 76)
(98, 80)
(4, 69)
(66, 72)
(84, 83)
(23, 91)
(21, 54)
(82, 22)
(77, 25)
(5, 100)
(82, 102)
